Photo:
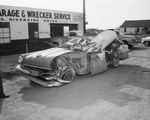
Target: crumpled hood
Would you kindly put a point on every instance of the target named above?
(103, 39)
(146, 38)
(43, 58)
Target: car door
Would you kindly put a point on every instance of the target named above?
(98, 63)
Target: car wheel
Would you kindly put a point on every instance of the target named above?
(69, 75)
(146, 44)
(126, 43)
(115, 62)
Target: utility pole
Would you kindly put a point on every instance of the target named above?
(84, 18)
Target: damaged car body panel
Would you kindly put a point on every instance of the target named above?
(98, 63)
(79, 56)
(39, 59)
(80, 61)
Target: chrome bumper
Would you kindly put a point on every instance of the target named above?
(43, 83)
(47, 83)
(18, 68)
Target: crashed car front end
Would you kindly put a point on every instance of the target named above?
(44, 77)
(49, 72)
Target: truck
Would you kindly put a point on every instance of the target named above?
(58, 41)
(129, 40)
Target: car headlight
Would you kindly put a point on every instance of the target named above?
(20, 59)
(61, 64)
(142, 40)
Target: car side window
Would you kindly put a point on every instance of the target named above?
(73, 34)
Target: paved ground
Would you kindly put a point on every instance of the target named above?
(122, 93)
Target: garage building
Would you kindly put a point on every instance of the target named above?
(26, 29)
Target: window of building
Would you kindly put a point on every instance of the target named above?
(4, 32)
(125, 29)
(73, 34)
(138, 30)
(33, 31)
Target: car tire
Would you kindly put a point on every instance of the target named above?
(69, 75)
(146, 44)
(130, 46)
(115, 62)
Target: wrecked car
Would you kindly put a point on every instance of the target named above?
(79, 56)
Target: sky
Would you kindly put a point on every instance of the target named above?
(100, 14)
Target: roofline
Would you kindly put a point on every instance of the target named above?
(126, 23)
(139, 20)
(41, 9)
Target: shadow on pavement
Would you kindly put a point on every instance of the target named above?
(1, 104)
(9, 75)
(87, 90)
(139, 47)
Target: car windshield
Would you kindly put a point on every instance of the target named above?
(101, 41)
(73, 34)
(74, 40)
(78, 43)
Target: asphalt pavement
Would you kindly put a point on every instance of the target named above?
(121, 93)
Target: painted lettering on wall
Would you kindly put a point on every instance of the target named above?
(62, 16)
(9, 13)
(33, 14)
(36, 14)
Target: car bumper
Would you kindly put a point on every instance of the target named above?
(142, 41)
(52, 81)
(134, 42)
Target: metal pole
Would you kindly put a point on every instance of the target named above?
(84, 18)
(26, 47)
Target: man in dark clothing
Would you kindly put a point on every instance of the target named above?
(2, 95)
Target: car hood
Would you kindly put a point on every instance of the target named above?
(103, 39)
(43, 58)
(127, 36)
(146, 38)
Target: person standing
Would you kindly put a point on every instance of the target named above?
(2, 95)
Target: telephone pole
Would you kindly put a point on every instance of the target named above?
(84, 18)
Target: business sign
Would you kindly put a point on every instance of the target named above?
(35, 15)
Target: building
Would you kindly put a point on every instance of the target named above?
(136, 27)
(26, 29)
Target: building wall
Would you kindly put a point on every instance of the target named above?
(20, 17)
(132, 30)
(19, 30)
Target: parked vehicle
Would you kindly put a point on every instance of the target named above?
(146, 41)
(129, 40)
(58, 40)
(79, 56)
(74, 33)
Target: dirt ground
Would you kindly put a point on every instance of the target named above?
(121, 93)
